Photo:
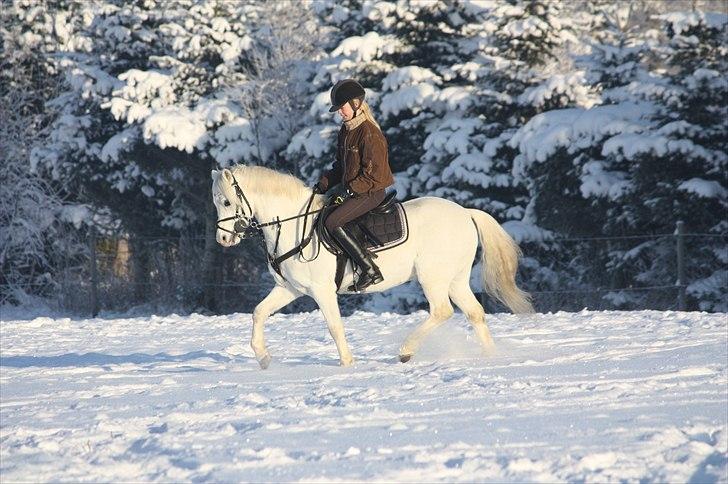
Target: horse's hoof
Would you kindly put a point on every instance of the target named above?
(404, 358)
(264, 362)
(347, 362)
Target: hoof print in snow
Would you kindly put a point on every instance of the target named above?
(159, 429)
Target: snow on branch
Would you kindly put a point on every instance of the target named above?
(576, 129)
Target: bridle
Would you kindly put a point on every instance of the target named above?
(245, 222)
(242, 222)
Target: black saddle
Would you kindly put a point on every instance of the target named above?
(382, 228)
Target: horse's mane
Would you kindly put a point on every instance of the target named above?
(260, 179)
(265, 181)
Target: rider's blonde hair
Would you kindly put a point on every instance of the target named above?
(364, 108)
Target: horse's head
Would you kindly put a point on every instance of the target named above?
(234, 213)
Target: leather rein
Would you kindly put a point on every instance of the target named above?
(244, 222)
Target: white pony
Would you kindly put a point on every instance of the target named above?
(443, 239)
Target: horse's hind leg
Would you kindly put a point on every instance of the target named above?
(463, 297)
(440, 311)
(276, 299)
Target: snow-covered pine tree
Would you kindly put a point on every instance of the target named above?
(679, 169)
(534, 73)
(619, 37)
(570, 182)
(36, 236)
(640, 164)
(421, 93)
(162, 84)
(431, 104)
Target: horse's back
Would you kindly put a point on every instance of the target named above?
(438, 225)
(437, 215)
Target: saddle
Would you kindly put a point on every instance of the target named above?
(382, 228)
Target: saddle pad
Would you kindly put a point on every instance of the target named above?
(383, 231)
(376, 231)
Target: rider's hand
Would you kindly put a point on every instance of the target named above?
(342, 195)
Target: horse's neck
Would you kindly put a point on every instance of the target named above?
(270, 208)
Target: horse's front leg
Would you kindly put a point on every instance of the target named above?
(326, 300)
(278, 297)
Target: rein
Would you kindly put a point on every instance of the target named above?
(250, 222)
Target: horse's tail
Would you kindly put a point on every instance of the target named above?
(500, 262)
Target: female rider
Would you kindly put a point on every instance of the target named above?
(362, 167)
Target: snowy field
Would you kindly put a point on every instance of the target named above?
(590, 396)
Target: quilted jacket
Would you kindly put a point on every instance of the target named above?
(362, 163)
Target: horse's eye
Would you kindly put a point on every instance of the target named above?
(226, 203)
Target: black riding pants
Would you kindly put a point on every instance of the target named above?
(352, 208)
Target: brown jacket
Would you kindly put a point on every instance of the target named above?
(362, 163)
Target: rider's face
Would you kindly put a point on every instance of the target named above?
(346, 112)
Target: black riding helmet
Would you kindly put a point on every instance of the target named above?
(345, 91)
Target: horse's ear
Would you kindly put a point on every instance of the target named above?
(227, 175)
(215, 174)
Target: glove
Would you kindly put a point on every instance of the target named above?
(342, 195)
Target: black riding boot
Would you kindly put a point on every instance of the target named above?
(370, 273)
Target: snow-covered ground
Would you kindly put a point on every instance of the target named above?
(594, 396)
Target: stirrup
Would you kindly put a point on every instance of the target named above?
(371, 280)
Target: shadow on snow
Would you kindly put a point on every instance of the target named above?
(100, 359)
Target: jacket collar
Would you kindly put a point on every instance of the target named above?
(355, 121)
